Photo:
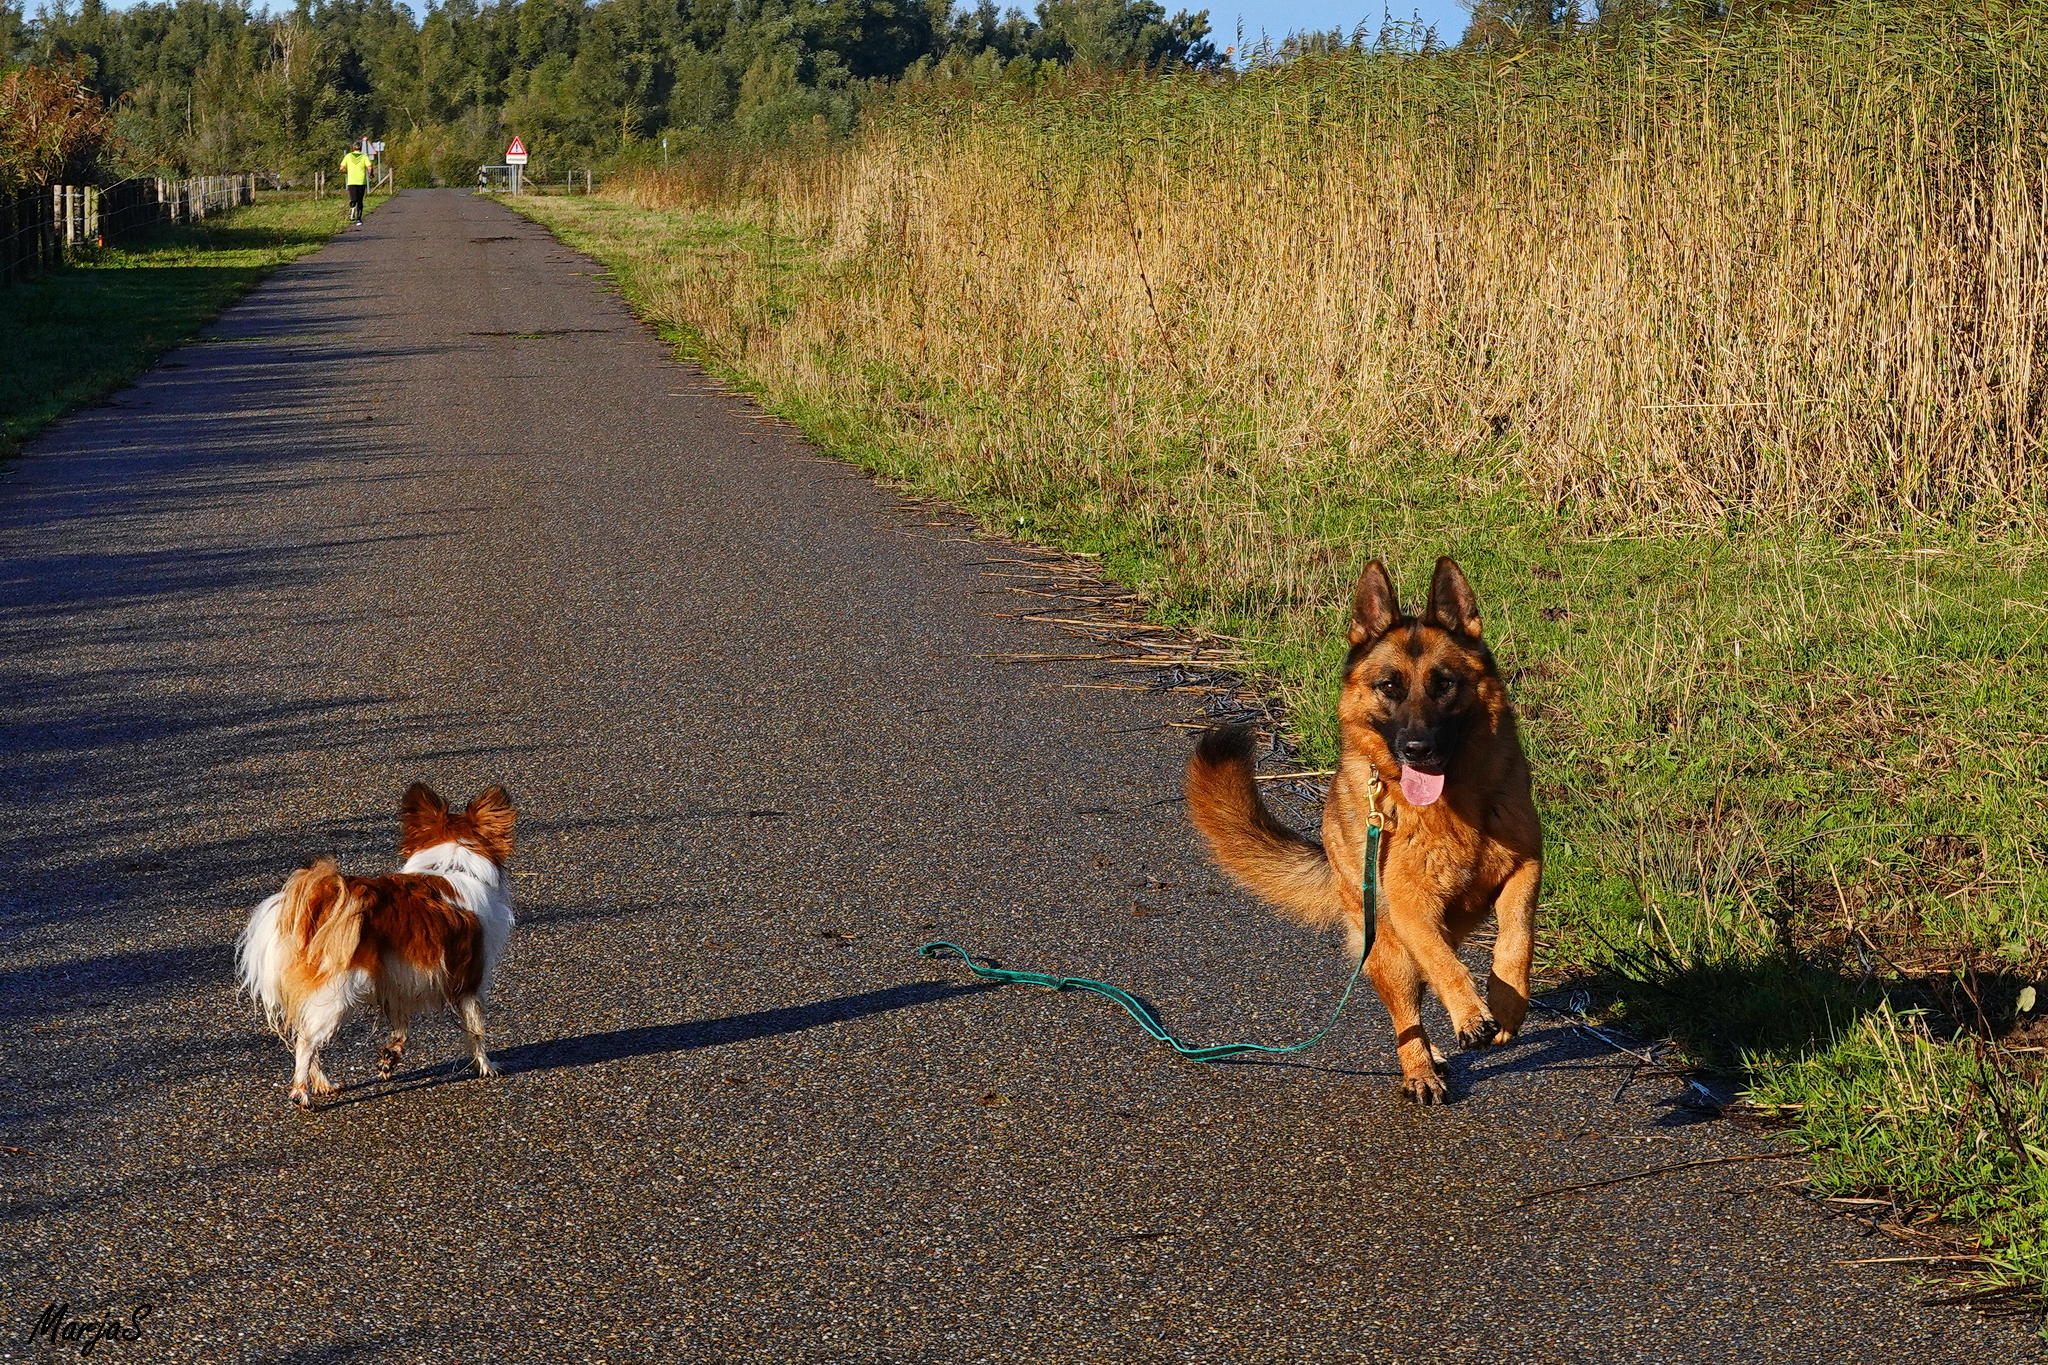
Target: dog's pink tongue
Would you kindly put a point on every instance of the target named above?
(1420, 788)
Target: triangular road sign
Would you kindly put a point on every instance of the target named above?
(518, 148)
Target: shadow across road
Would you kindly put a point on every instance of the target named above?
(593, 1049)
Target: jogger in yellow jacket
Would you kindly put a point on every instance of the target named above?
(356, 166)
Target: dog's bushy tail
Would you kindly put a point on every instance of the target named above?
(298, 940)
(1262, 855)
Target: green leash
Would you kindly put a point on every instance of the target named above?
(1145, 1018)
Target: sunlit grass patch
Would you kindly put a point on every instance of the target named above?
(1948, 1133)
(73, 335)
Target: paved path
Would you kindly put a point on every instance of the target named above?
(431, 504)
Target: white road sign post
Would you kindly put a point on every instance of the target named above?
(515, 157)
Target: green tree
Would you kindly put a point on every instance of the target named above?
(1124, 33)
(216, 85)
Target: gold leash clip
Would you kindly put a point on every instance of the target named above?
(1375, 818)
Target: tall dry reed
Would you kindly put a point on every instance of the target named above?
(1684, 279)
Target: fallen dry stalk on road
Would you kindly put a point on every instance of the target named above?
(1659, 1170)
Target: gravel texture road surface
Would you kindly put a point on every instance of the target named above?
(431, 504)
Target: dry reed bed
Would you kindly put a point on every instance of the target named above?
(1677, 283)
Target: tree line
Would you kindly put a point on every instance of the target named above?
(201, 86)
(210, 85)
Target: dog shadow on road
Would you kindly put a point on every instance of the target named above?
(592, 1049)
(1545, 1047)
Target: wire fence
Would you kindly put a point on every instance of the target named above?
(45, 225)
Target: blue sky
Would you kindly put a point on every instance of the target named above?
(1281, 17)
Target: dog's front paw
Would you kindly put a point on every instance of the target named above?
(1429, 1089)
(299, 1097)
(484, 1067)
(388, 1059)
(1481, 1032)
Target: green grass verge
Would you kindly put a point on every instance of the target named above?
(73, 335)
(1793, 782)
(1951, 1132)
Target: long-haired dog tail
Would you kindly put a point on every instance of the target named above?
(1259, 853)
(298, 940)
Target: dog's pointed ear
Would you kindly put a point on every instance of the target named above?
(1374, 608)
(421, 815)
(1452, 606)
(493, 817)
(421, 804)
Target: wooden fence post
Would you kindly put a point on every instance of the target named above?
(43, 227)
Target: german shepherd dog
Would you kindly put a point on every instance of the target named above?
(1428, 739)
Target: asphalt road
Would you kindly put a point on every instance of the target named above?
(430, 504)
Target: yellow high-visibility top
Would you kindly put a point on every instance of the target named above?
(358, 167)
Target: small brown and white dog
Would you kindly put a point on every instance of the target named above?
(414, 940)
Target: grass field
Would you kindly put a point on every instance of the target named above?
(71, 336)
(1781, 663)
